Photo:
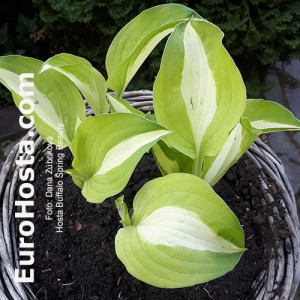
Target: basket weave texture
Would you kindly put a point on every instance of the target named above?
(281, 276)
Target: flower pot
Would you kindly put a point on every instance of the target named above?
(270, 206)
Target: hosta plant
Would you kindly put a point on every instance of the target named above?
(179, 232)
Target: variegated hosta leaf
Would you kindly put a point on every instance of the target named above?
(58, 106)
(88, 80)
(106, 150)
(238, 142)
(199, 93)
(260, 116)
(138, 38)
(269, 116)
(120, 105)
(176, 237)
(170, 160)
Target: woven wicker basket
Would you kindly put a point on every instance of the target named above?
(278, 281)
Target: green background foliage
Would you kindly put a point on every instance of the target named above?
(257, 32)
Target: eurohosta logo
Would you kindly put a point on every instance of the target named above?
(24, 204)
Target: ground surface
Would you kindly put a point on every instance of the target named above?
(81, 263)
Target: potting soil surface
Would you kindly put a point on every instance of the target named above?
(80, 262)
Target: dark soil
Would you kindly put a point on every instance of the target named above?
(4, 103)
(81, 263)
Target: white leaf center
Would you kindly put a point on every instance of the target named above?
(173, 226)
(122, 151)
(198, 86)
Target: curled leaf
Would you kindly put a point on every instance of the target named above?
(106, 150)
